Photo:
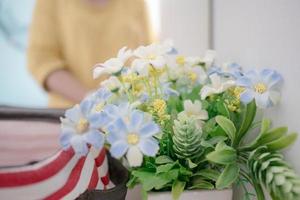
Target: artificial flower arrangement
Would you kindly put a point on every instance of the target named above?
(179, 123)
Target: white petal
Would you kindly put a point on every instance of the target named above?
(99, 70)
(188, 104)
(275, 96)
(215, 80)
(207, 91)
(134, 156)
(262, 100)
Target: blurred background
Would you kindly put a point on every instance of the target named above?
(255, 34)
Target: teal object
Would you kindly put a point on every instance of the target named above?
(17, 86)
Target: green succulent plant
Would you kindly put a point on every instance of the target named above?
(270, 170)
(187, 138)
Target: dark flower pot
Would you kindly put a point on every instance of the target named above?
(119, 176)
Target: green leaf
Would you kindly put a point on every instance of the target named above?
(247, 119)
(228, 176)
(208, 174)
(191, 164)
(149, 180)
(282, 142)
(164, 168)
(202, 184)
(163, 159)
(227, 125)
(177, 189)
(222, 109)
(132, 182)
(265, 125)
(224, 156)
(271, 136)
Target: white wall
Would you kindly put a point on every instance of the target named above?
(259, 34)
(186, 23)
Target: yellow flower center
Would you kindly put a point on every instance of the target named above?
(180, 60)
(132, 138)
(99, 107)
(260, 88)
(151, 57)
(82, 125)
(193, 76)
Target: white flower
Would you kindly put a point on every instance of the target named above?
(195, 110)
(209, 58)
(112, 83)
(113, 65)
(217, 86)
(150, 56)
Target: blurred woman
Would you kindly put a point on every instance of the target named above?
(68, 37)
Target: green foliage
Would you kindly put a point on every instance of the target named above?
(228, 126)
(177, 189)
(275, 139)
(187, 139)
(270, 170)
(246, 119)
(223, 154)
(228, 176)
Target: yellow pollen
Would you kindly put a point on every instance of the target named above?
(260, 88)
(99, 107)
(180, 60)
(132, 138)
(237, 91)
(193, 76)
(151, 57)
(82, 125)
(159, 105)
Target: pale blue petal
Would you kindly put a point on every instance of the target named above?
(244, 82)
(65, 139)
(95, 138)
(266, 72)
(149, 146)
(111, 110)
(149, 130)
(275, 80)
(120, 125)
(136, 119)
(247, 96)
(79, 145)
(262, 100)
(86, 107)
(115, 134)
(73, 114)
(98, 120)
(103, 94)
(253, 76)
(118, 149)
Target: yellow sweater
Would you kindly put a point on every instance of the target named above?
(75, 35)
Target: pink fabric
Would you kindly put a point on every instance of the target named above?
(25, 141)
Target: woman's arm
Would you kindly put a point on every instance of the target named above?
(45, 57)
(65, 84)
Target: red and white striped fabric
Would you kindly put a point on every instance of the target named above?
(63, 176)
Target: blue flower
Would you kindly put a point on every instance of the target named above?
(99, 99)
(81, 127)
(263, 87)
(133, 136)
(232, 69)
(167, 91)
